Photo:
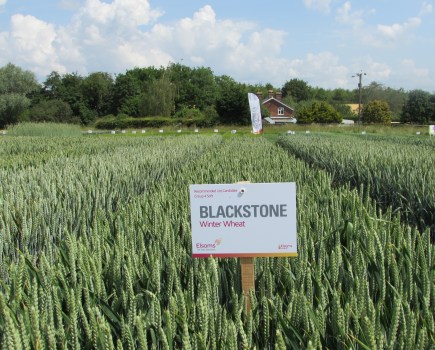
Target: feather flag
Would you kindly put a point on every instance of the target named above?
(254, 106)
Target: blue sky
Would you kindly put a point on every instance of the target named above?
(323, 42)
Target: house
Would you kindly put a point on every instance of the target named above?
(354, 108)
(279, 112)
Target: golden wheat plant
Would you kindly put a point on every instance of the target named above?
(95, 245)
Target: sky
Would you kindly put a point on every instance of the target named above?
(323, 42)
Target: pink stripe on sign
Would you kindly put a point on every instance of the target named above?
(246, 255)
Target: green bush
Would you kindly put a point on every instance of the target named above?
(325, 113)
(188, 113)
(193, 116)
(50, 111)
(317, 112)
(264, 111)
(376, 112)
(126, 122)
(211, 115)
(122, 122)
(304, 115)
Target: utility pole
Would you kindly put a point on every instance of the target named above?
(359, 75)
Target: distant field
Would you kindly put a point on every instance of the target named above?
(399, 129)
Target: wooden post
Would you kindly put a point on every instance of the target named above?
(247, 270)
(248, 279)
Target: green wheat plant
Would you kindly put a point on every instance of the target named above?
(396, 171)
(95, 252)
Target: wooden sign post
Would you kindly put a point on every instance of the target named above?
(248, 273)
(248, 279)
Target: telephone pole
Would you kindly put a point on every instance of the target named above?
(359, 75)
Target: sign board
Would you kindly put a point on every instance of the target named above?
(432, 130)
(243, 220)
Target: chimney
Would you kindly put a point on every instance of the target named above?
(279, 95)
(270, 93)
(260, 95)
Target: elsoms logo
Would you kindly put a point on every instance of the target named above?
(208, 246)
(205, 245)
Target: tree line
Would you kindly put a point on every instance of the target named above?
(181, 93)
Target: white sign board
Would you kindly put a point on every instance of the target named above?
(243, 220)
(432, 130)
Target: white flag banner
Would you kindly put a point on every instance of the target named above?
(254, 106)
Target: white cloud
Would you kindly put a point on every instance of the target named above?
(425, 9)
(4, 43)
(3, 2)
(232, 46)
(203, 32)
(69, 4)
(99, 39)
(126, 13)
(345, 15)
(415, 77)
(320, 5)
(376, 71)
(410, 67)
(405, 72)
(32, 41)
(70, 53)
(122, 34)
(398, 30)
(129, 55)
(388, 36)
(110, 37)
(321, 69)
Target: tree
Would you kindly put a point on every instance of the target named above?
(54, 110)
(158, 98)
(376, 112)
(14, 80)
(345, 111)
(304, 114)
(298, 89)
(343, 96)
(432, 108)
(125, 88)
(129, 88)
(317, 112)
(51, 87)
(195, 87)
(321, 94)
(69, 89)
(232, 102)
(16, 85)
(11, 106)
(418, 108)
(88, 97)
(97, 91)
(394, 97)
(323, 112)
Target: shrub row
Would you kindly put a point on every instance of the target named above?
(112, 122)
